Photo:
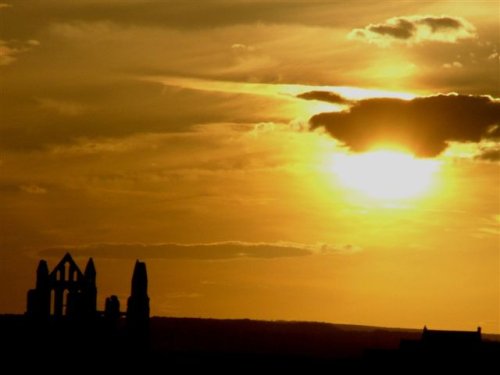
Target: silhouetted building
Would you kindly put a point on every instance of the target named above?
(445, 345)
(65, 291)
(451, 339)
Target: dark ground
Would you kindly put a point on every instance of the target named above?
(234, 346)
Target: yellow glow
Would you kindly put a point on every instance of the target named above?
(273, 89)
(385, 174)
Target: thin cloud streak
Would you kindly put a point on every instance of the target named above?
(202, 251)
(274, 89)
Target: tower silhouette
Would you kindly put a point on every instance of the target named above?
(39, 298)
(89, 288)
(138, 302)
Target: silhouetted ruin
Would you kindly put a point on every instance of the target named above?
(69, 293)
(65, 291)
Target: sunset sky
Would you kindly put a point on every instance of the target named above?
(316, 160)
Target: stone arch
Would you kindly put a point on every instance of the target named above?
(66, 282)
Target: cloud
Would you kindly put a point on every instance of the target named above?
(206, 251)
(62, 107)
(10, 50)
(488, 151)
(494, 56)
(395, 28)
(454, 64)
(118, 110)
(325, 96)
(207, 14)
(490, 155)
(326, 249)
(7, 53)
(424, 125)
(201, 251)
(33, 189)
(416, 29)
(240, 47)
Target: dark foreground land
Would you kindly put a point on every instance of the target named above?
(231, 346)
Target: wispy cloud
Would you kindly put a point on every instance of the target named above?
(201, 251)
(33, 189)
(10, 50)
(454, 64)
(62, 107)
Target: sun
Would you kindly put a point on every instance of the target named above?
(385, 174)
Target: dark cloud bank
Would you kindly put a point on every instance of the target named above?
(424, 125)
(210, 251)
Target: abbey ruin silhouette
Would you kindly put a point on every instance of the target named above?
(69, 293)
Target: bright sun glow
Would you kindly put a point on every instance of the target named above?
(385, 174)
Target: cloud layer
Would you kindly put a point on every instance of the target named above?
(424, 125)
(200, 251)
(416, 29)
(206, 251)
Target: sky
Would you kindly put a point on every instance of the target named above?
(287, 160)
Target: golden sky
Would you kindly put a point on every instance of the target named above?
(301, 160)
